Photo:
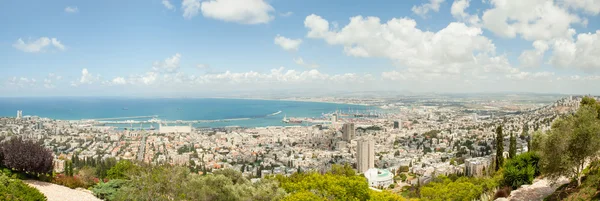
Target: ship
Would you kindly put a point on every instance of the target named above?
(291, 121)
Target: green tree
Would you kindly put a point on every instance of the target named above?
(121, 170)
(512, 148)
(571, 142)
(499, 148)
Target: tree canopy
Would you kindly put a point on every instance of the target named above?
(26, 156)
(571, 143)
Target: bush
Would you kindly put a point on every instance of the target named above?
(108, 190)
(71, 182)
(26, 156)
(502, 193)
(14, 189)
(521, 170)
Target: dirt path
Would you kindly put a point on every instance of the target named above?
(537, 191)
(60, 193)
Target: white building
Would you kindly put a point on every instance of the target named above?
(174, 129)
(379, 177)
(19, 114)
(365, 154)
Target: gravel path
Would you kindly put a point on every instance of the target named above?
(536, 191)
(56, 192)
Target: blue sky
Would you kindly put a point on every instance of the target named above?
(194, 47)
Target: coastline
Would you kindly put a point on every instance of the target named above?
(294, 100)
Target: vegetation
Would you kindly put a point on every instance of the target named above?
(512, 147)
(341, 183)
(588, 190)
(26, 156)
(14, 189)
(499, 148)
(521, 170)
(458, 188)
(571, 142)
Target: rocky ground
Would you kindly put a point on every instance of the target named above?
(540, 189)
(60, 193)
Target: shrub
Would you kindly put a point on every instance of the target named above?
(108, 190)
(26, 156)
(521, 170)
(502, 192)
(14, 189)
(71, 182)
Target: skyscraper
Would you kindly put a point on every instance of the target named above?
(19, 114)
(348, 132)
(365, 154)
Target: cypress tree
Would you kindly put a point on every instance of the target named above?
(512, 149)
(499, 148)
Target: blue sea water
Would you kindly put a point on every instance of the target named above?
(172, 109)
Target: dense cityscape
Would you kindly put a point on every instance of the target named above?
(408, 142)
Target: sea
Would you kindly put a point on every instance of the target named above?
(230, 112)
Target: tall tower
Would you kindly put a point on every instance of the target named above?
(348, 132)
(19, 114)
(365, 154)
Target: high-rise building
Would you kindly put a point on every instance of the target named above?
(365, 154)
(19, 114)
(396, 125)
(333, 118)
(348, 132)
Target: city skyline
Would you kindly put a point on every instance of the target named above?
(195, 48)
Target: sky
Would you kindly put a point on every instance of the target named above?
(189, 48)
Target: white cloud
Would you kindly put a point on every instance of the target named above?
(190, 8)
(22, 82)
(240, 11)
(301, 62)
(591, 7)
(38, 45)
(287, 44)
(169, 65)
(422, 10)
(168, 5)
(70, 9)
(452, 50)
(533, 58)
(286, 14)
(583, 54)
(531, 19)
(458, 11)
(86, 78)
(118, 81)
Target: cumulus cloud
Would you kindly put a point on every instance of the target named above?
(38, 45)
(583, 53)
(190, 8)
(301, 62)
(169, 65)
(240, 11)
(287, 44)
(168, 4)
(532, 19)
(533, 58)
(455, 49)
(118, 81)
(70, 9)
(86, 78)
(422, 10)
(458, 11)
